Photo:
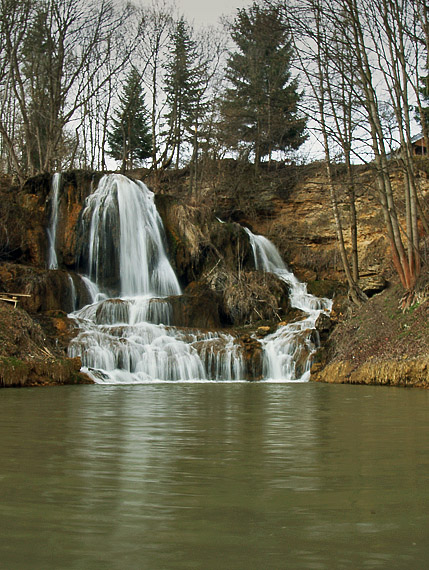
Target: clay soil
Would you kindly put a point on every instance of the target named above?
(382, 329)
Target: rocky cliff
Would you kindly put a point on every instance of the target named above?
(209, 251)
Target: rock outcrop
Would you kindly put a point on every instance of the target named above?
(413, 372)
(213, 260)
(212, 257)
(48, 290)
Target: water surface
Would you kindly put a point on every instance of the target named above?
(214, 476)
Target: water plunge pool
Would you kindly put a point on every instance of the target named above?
(215, 476)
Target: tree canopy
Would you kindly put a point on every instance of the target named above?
(259, 108)
(130, 139)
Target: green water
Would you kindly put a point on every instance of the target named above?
(214, 476)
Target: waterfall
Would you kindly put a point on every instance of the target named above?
(122, 216)
(53, 222)
(93, 290)
(288, 351)
(129, 338)
(127, 333)
(73, 294)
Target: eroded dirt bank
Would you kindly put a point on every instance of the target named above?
(33, 353)
(378, 344)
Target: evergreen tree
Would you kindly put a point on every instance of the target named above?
(183, 88)
(130, 139)
(259, 108)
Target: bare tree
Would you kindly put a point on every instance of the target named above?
(328, 71)
(51, 54)
(153, 50)
(421, 37)
(210, 50)
(366, 33)
(370, 49)
(15, 16)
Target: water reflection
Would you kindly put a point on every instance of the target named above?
(214, 476)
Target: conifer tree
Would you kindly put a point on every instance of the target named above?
(182, 86)
(259, 108)
(130, 139)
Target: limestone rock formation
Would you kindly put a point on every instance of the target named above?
(207, 246)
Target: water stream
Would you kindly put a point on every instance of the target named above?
(53, 221)
(288, 351)
(129, 336)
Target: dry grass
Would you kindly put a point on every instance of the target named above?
(249, 296)
(190, 223)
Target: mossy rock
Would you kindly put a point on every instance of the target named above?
(326, 288)
(15, 372)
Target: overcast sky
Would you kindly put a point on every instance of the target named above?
(205, 12)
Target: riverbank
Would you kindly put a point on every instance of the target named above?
(379, 343)
(32, 355)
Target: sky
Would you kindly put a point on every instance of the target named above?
(208, 12)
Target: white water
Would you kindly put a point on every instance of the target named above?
(288, 351)
(94, 292)
(72, 293)
(128, 339)
(53, 222)
(129, 205)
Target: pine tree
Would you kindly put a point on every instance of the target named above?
(130, 139)
(182, 86)
(259, 108)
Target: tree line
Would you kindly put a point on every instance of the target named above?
(365, 64)
(82, 81)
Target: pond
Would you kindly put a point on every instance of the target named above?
(214, 476)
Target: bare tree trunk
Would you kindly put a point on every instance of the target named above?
(404, 265)
(316, 70)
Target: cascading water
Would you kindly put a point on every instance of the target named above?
(288, 351)
(53, 222)
(72, 293)
(128, 339)
(92, 289)
(128, 208)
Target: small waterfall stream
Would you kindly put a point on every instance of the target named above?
(53, 222)
(288, 351)
(129, 337)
